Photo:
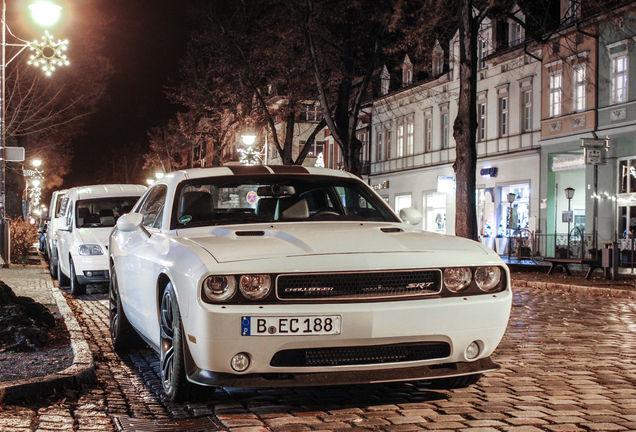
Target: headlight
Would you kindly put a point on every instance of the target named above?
(488, 278)
(90, 249)
(219, 288)
(255, 287)
(457, 278)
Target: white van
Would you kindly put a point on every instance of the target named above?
(54, 216)
(89, 214)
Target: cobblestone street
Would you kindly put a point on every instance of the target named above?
(567, 365)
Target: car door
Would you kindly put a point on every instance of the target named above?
(141, 264)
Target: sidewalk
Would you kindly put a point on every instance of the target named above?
(35, 281)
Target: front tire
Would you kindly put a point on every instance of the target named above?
(173, 376)
(122, 334)
(76, 287)
(62, 279)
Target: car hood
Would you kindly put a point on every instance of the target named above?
(97, 236)
(251, 242)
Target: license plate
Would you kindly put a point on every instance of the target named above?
(291, 325)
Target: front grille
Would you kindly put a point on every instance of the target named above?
(360, 355)
(369, 285)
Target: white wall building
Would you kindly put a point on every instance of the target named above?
(412, 145)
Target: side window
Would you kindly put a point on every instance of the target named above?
(152, 207)
(67, 211)
(62, 207)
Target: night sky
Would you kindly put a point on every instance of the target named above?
(144, 42)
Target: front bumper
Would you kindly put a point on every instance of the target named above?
(446, 370)
(214, 336)
(95, 265)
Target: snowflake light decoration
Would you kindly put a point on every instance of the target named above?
(249, 156)
(48, 53)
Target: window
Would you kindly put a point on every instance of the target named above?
(429, 133)
(482, 52)
(409, 136)
(402, 202)
(400, 140)
(152, 208)
(378, 146)
(481, 126)
(444, 130)
(578, 85)
(407, 72)
(503, 116)
(434, 206)
(311, 113)
(555, 97)
(516, 33)
(619, 78)
(387, 139)
(385, 81)
(526, 110)
(571, 11)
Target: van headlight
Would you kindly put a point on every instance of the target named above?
(488, 278)
(255, 287)
(218, 288)
(90, 249)
(457, 279)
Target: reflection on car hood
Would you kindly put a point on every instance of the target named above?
(97, 236)
(249, 242)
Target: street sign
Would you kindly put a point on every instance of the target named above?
(594, 143)
(593, 156)
(14, 154)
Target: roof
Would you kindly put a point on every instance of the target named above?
(229, 170)
(103, 191)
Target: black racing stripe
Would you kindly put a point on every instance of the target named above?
(289, 169)
(248, 169)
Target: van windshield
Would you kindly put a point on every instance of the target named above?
(102, 212)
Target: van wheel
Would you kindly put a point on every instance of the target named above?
(53, 267)
(122, 333)
(62, 279)
(76, 287)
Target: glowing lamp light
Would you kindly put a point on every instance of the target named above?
(150, 181)
(35, 182)
(45, 13)
(36, 162)
(248, 139)
(159, 175)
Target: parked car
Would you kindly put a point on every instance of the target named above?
(291, 276)
(88, 215)
(54, 216)
(44, 226)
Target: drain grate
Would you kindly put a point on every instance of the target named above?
(130, 424)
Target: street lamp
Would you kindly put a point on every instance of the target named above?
(511, 198)
(47, 55)
(569, 194)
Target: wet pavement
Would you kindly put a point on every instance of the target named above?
(568, 364)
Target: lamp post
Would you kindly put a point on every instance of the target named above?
(511, 198)
(569, 193)
(47, 55)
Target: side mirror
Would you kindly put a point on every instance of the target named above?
(62, 224)
(410, 216)
(129, 222)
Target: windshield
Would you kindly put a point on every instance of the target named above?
(276, 198)
(102, 212)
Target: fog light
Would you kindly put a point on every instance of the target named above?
(240, 362)
(472, 350)
(89, 274)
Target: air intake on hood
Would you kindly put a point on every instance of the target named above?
(250, 233)
(391, 230)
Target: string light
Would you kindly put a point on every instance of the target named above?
(48, 54)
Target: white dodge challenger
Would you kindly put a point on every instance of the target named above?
(264, 276)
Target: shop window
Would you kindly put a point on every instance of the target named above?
(435, 212)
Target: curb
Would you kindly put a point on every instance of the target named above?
(79, 374)
(576, 289)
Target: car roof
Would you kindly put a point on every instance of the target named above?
(104, 191)
(229, 170)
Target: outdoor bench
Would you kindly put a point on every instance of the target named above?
(565, 262)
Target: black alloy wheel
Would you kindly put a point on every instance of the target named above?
(173, 376)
